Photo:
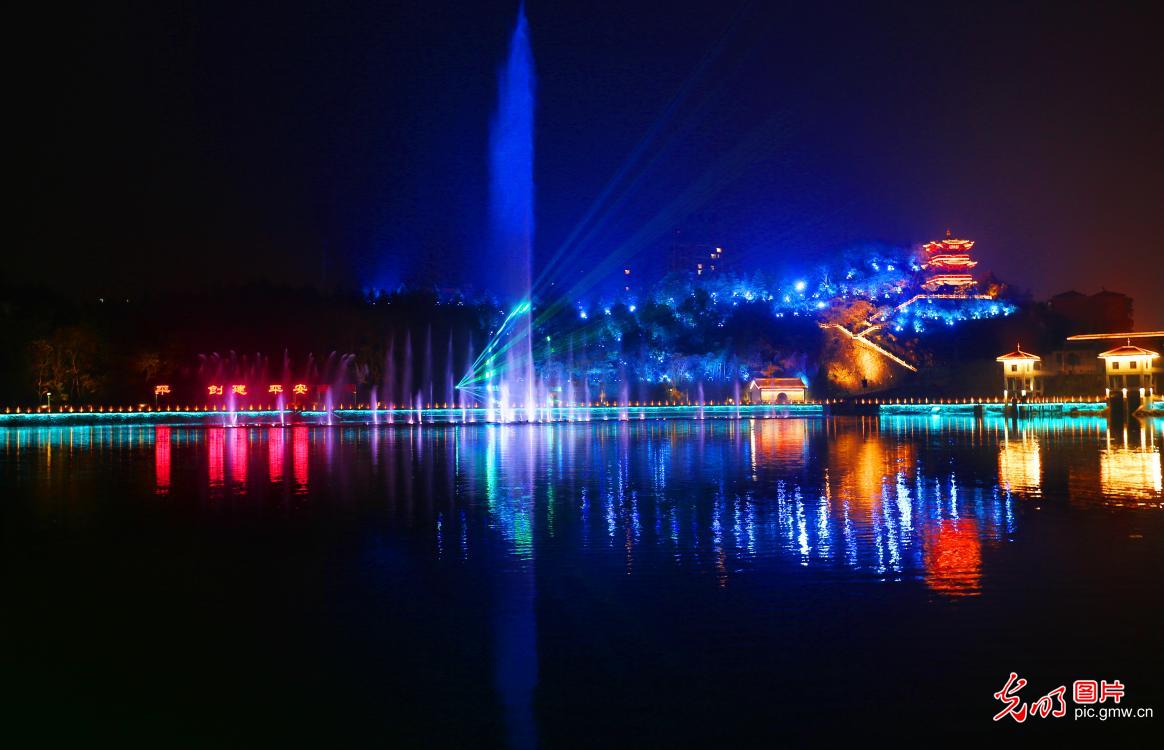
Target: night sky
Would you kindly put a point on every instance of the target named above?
(197, 143)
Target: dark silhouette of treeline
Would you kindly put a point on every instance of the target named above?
(114, 350)
(410, 344)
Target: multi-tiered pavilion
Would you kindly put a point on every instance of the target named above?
(948, 265)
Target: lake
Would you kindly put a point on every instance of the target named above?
(622, 583)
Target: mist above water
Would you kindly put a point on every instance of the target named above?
(511, 186)
(511, 199)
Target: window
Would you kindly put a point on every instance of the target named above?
(1014, 368)
(1115, 365)
(1132, 365)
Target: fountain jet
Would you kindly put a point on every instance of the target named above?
(511, 205)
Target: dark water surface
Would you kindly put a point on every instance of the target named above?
(607, 584)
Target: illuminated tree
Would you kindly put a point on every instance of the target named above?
(66, 364)
(148, 365)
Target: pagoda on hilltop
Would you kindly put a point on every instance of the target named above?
(947, 264)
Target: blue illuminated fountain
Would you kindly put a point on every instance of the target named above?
(503, 375)
(501, 382)
(511, 166)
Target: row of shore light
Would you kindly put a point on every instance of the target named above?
(315, 406)
(214, 408)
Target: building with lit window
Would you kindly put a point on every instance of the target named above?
(1080, 365)
(715, 259)
(711, 263)
(947, 265)
(1022, 373)
(1130, 369)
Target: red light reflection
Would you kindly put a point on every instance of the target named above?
(953, 558)
(299, 455)
(215, 445)
(238, 458)
(162, 460)
(275, 454)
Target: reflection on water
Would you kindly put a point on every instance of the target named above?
(953, 559)
(1019, 468)
(892, 499)
(215, 448)
(238, 459)
(1131, 472)
(478, 523)
(275, 451)
(162, 459)
(299, 451)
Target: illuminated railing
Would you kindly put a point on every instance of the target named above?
(354, 413)
(860, 339)
(363, 413)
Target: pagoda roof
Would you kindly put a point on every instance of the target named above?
(959, 280)
(958, 260)
(1018, 353)
(950, 244)
(1128, 350)
(786, 383)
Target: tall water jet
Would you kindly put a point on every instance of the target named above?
(449, 394)
(284, 377)
(465, 403)
(426, 378)
(511, 188)
(405, 391)
(389, 378)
